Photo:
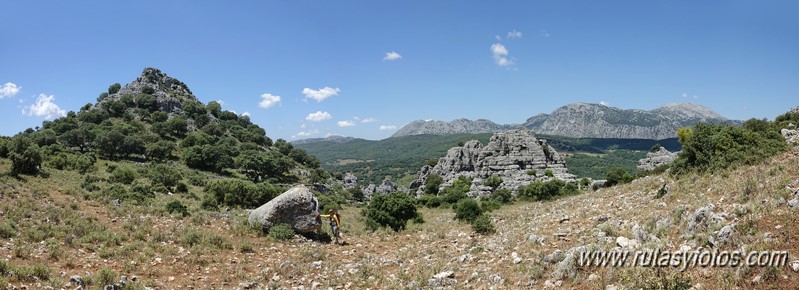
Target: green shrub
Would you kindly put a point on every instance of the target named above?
(391, 210)
(113, 89)
(711, 147)
(241, 193)
(618, 176)
(432, 184)
(549, 173)
(176, 206)
(494, 182)
(430, 201)
(546, 190)
(164, 174)
(26, 157)
(490, 205)
(147, 90)
(105, 277)
(124, 174)
(418, 219)
(467, 210)
(503, 196)
(281, 232)
(7, 230)
(483, 225)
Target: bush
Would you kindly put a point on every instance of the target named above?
(113, 89)
(458, 190)
(434, 181)
(390, 210)
(147, 90)
(7, 230)
(618, 176)
(483, 225)
(160, 151)
(240, 193)
(124, 175)
(549, 173)
(546, 190)
(26, 157)
(494, 182)
(105, 277)
(430, 201)
(490, 205)
(176, 206)
(467, 210)
(281, 232)
(710, 147)
(164, 175)
(503, 196)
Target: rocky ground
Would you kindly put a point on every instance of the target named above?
(535, 245)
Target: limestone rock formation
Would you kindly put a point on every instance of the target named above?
(169, 92)
(350, 180)
(297, 207)
(791, 136)
(515, 156)
(386, 187)
(661, 156)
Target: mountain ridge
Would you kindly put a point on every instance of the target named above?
(583, 120)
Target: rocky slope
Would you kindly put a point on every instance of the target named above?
(515, 156)
(599, 121)
(422, 127)
(584, 120)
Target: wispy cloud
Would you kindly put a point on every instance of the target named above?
(305, 134)
(500, 54)
(320, 94)
(245, 114)
(392, 56)
(368, 120)
(344, 124)
(387, 127)
(9, 90)
(269, 100)
(604, 103)
(514, 34)
(318, 116)
(46, 107)
(687, 96)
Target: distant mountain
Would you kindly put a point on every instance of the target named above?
(465, 126)
(335, 139)
(584, 120)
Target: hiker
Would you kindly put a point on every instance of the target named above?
(334, 222)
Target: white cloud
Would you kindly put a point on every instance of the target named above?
(604, 103)
(268, 101)
(392, 56)
(245, 114)
(305, 134)
(318, 116)
(369, 120)
(9, 90)
(321, 94)
(220, 102)
(500, 54)
(44, 107)
(497, 37)
(514, 34)
(687, 96)
(387, 127)
(345, 123)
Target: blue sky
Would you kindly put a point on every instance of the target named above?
(365, 68)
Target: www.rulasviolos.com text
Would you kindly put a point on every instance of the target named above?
(682, 259)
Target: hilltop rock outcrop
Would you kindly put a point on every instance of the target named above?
(170, 93)
(297, 207)
(386, 187)
(659, 157)
(515, 156)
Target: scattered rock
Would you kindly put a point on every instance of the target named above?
(593, 277)
(554, 257)
(567, 268)
(703, 218)
(791, 136)
(77, 280)
(496, 279)
(549, 285)
(658, 158)
(726, 233)
(350, 181)
(626, 243)
(297, 207)
(795, 266)
(248, 285)
(757, 279)
(442, 279)
(515, 257)
(794, 203)
(563, 219)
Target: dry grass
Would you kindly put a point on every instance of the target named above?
(56, 227)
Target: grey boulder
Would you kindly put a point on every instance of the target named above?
(296, 207)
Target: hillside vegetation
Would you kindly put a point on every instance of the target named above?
(398, 157)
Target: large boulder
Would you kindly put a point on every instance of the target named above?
(657, 158)
(297, 207)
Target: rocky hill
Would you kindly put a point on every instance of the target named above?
(599, 121)
(515, 156)
(584, 120)
(335, 139)
(423, 127)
